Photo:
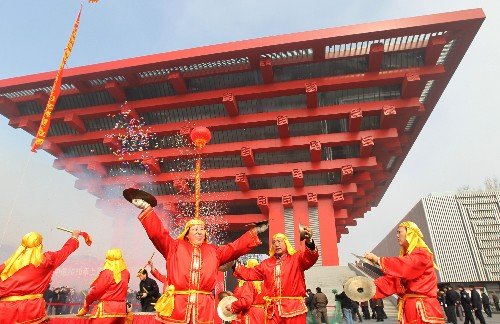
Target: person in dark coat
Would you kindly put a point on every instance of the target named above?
(47, 296)
(477, 304)
(355, 311)
(466, 305)
(495, 301)
(346, 305)
(486, 304)
(452, 299)
(365, 309)
(379, 306)
(148, 291)
(441, 297)
(309, 300)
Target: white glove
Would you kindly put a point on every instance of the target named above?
(261, 228)
(140, 203)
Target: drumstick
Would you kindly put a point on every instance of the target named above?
(64, 229)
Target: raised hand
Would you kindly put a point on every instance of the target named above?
(140, 203)
(261, 228)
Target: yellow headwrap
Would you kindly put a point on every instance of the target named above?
(115, 263)
(289, 248)
(415, 239)
(257, 284)
(189, 223)
(29, 252)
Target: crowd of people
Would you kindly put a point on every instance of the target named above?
(344, 308)
(466, 304)
(272, 291)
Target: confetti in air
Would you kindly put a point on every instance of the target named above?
(137, 137)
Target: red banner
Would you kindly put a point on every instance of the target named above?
(56, 89)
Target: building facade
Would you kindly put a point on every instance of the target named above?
(463, 231)
(306, 128)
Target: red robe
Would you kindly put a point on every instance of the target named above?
(31, 280)
(161, 277)
(112, 296)
(250, 305)
(192, 267)
(413, 278)
(284, 281)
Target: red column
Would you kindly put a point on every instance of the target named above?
(327, 232)
(276, 218)
(300, 216)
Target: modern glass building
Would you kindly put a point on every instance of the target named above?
(463, 231)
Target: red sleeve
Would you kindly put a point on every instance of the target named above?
(245, 297)
(408, 267)
(239, 247)
(56, 258)
(308, 258)
(249, 274)
(99, 286)
(386, 286)
(156, 231)
(158, 275)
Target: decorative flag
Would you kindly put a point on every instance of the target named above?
(93, 1)
(56, 89)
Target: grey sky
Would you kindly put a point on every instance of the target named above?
(458, 145)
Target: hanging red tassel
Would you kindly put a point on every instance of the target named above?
(87, 238)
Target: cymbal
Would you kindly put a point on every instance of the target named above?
(360, 288)
(223, 313)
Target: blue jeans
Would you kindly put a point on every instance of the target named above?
(347, 315)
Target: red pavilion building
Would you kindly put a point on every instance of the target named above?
(306, 128)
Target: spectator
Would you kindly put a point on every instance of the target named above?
(365, 310)
(379, 309)
(495, 301)
(452, 298)
(309, 300)
(442, 301)
(346, 305)
(148, 291)
(355, 311)
(466, 305)
(320, 301)
(47, 296)
(486, 304)
(477, 304)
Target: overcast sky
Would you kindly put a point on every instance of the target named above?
(458, 146)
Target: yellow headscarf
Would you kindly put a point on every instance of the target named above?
(289, 248)
(415, 239)
(115, 263)
(257, 284)
(189, 223)
(29, 252)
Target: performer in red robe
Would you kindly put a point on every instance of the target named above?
(158, 275)
(284, 284)
(192, 265)
(411, 276)
(26, 275)
(250, 304)
(110, 289)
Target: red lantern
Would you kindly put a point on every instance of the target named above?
(200, 136)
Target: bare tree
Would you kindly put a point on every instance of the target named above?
(492, 183)
(464, 189)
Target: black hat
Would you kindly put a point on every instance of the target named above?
(132, 193)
